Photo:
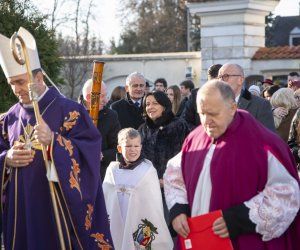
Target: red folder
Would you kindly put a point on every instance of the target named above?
(202, 237)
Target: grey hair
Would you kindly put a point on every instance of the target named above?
(126, 133)
(87, 87)
(135, 75)
(284, 97)
(224, 89)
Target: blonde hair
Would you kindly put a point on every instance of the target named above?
(126, 133)
(283, 97)
(297, 92)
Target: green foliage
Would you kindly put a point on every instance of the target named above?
(16, 13)
(7, 98)
(269, 20)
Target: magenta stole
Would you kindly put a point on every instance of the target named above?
(239, 171)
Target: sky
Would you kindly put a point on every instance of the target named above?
(107, 21)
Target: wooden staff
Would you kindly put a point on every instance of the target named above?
(96, 91)
(34, 98)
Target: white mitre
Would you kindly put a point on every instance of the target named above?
(8, 63)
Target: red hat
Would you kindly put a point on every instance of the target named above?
(268, 81)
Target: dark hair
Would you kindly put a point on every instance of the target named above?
(163, 100)
(35, 71)
(188, 84)
(118, 93)
(177, 98)
(270, 90)
(161, 80)
(293, 73)
(213, 70)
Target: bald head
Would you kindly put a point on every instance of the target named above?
(233, 74)
(216, 107)
(213, 86)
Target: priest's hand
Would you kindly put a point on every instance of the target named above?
(43, 133)
(220, 228)
(17, 156)
(180, 225)
(161, 183)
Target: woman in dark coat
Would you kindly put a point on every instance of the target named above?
(162, 133)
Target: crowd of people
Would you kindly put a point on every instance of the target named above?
(285, 102)
(156, 158)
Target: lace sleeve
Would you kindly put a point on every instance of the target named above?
(274, 209)
(175, 191)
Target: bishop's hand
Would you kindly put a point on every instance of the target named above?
(17, 156)
(43, 133)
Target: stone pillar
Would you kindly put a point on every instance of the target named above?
(231, 30)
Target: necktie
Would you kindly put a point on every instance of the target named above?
(137, 104)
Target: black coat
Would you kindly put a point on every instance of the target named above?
(182, 106)
(189, 112)
(128, 114)
(257, 106)
(162, 142)
(109, 126)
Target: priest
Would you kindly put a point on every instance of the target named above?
(73, 153)
(234, 164)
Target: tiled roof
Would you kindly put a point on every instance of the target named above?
(285, 52)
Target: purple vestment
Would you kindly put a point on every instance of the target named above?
(239, 171)
(28, 219)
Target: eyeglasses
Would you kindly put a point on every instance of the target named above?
(138, 85)
(225, 77)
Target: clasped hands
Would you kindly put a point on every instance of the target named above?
(280, 112)
(181, 226)
(19, 156)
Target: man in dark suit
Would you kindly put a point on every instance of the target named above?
(108, 125)
(233, 74)
(261, 109)
(186, 88)
(130, 109)
(189, 112)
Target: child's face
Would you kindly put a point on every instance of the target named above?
(131, 149)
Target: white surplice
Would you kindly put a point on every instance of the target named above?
(133, 197)
(272, 210)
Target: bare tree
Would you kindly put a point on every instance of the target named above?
(156, 26)
(81, 44)
(54, 19)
